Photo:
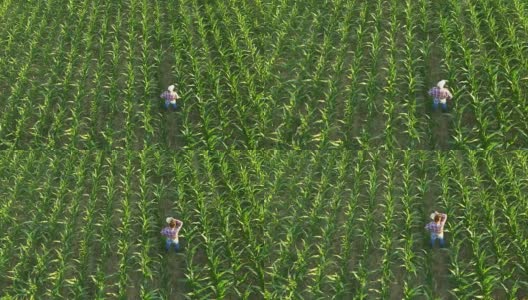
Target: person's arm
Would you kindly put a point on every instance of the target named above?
(449, 95)
(163, 95)
(177, 95)
(179, 225)
(430, 92)
(164, 232)
(443, 220)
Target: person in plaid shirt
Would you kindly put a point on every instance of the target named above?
(171, 233)
(170, 97)
(436, 228)
(440, 95)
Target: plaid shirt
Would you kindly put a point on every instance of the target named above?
(169, 96)
(439, 93)
(437, 228)
(172, 233)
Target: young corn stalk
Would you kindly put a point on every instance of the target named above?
(125, 238)
(413, 65)
(410, 192)
(146, 210)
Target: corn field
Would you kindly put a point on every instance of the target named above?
(263, 74)
(263, 225)
(304, 159)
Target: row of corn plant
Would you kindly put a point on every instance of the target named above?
(225, 268)
(288, 233)
(513, 209)
(60, 129)
(146, 212)
(126, 237)
(326, 267)
(283, 19)
(342, 285)
(469, 275)
(28, 272)
(488, 262)
(251, 214)
(113, 80)
(18, 104)
(509, 70)
(53, 94)
(364, 271)
(87, 243)
(411, 214)
(390, 94)
(103, 280)
(295, 101)
(20, 185)
(129, 96)
(153, 268)
(319, 86)
(249, 63)
(276, 178)
(387, 227)
(351, 112)
(262, 215)
(304, 269)
(461, 136)
(332, 117)
(412, 81)
(97, 93)
(51, 227)
(77, 133)
(150, 40)
(60, 274)
(500, 242)
(328, 93)
(203, 242)
(205, 131)
(369, 85)
(232, 231)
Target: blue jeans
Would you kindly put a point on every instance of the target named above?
(436, 102)
(169, 243)
(167, 104)
(439, 237)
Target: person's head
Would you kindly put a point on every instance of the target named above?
(441, 84)
(171, 88)
(172, 223)
(437, 218)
